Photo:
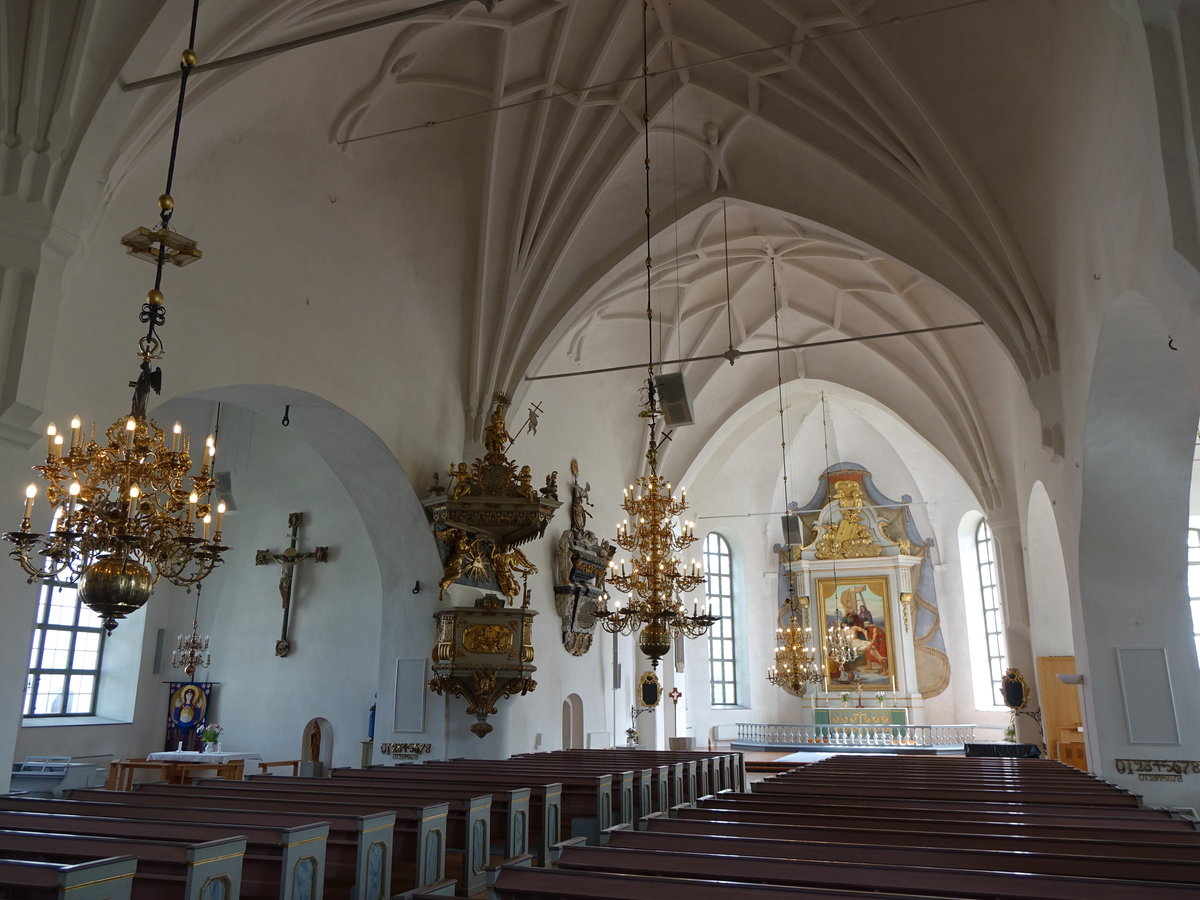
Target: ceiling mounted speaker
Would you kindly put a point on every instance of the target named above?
(673, 395)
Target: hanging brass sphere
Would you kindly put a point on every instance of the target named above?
(655, 641)
(154, 297)
(113, 587)
(188, 57)
(165, 202)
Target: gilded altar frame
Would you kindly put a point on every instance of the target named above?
(875, 666)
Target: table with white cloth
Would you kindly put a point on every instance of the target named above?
(184, 764)
(199, 756)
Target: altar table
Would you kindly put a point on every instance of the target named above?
(197, 756)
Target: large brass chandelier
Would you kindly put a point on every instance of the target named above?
(126, 510)
(796, 665)
(656, 577)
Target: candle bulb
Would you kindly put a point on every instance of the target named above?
(73, 491)
(75, 425)
(176, 431)
(51, 431)
(220, 515)
(134, 492)
(207, 522)
(193, 499)
(30, 493)
(58, 445)
(130, 429)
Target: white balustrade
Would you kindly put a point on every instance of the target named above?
(855, 735)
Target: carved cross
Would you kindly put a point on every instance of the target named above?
(289, 559)
(676, 695)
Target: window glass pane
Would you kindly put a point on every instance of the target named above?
(56, 649)
(62, 608)
(89, 619)
(33, 650)
(87, 651)
(30, 680)
(49, 694)
(79, 700)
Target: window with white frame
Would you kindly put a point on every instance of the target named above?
(64, 659)
(993, 612)
(722, 657)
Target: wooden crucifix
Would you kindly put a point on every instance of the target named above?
(289, 559)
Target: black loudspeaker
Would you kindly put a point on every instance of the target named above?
(791, 529)
(673, 395)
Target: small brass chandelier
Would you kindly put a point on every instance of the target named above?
(796, 665)
(191, 653)
(128, 510)
(657, 577)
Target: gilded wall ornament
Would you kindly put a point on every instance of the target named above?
(580, 569)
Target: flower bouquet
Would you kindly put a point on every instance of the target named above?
(631, 737)
(211, 733)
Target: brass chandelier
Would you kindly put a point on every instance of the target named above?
(127, 512)
(657, 577)
(191, 652)
(796, 665)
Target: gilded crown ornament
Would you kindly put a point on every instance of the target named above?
(126, 510)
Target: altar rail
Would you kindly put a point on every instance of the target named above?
(857, 735)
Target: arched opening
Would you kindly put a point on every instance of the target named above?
(572, 722)
(1132, 625)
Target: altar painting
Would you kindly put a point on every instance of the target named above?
(860, 605)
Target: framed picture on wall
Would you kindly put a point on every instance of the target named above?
(860, 606)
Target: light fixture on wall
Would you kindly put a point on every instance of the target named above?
(131, 512)
(656, 577)
(191, 653)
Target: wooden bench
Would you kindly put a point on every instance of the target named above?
(293, 764)
(585, 800)
(164, 868)
(419, 834)
(924, 881)
(358, 850)
(99, 879)
(468, 831)
(545, 799)
(664, 837)
(869, 838)
(274, 857)
(510, 807)
(1140, 819)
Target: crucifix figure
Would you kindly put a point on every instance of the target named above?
(288, 559)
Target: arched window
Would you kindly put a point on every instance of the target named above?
(64, 659)
(993, 613)
(722, 657)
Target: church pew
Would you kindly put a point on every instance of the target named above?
(732, 812)
(419, 835)
(164, 868)
(99, 879)
(817, 849)
(468, 830)
(514, 883)
(619, 787)
(651, 780)
(1025, 771)
(926, 881)
(585, 800)
(510, 807)
(545, 799)
(1053, 783)
(905, 837)
(1141, 819)
(274, 855)
(358, 851)
(948, 790)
